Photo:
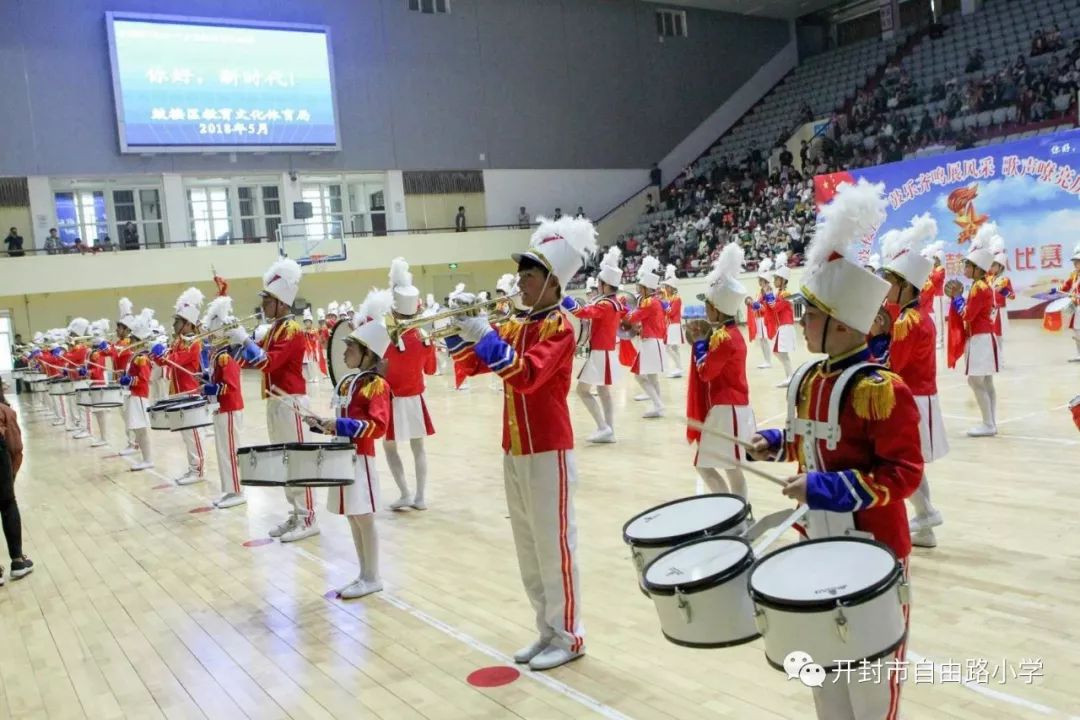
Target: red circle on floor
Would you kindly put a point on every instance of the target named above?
(258, 542)
(493, 676)
(200, 510)
(332, 595)
(162, 486)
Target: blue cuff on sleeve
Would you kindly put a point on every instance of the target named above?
(958, 304)
(701, 349)
(252, 353)
(211, 389)
(494, 352)
(455, 344)
(348, 427)
(770, 298)
(836, 491)
(774, 437)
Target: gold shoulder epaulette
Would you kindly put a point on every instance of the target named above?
(874, 396)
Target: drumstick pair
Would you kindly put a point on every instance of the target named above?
(287, 399)
(749, 447)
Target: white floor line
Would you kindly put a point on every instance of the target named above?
(546, 680)
(1032, 414)
(993, 694)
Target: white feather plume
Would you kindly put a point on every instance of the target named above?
(913, 238)
(578, 232)
(192, 296)
(506, 283)
(376, 306)
(126, 307)
(781, 260)
(727, 266)
(933, 249)
(854, 213)
(482, 296)
(984, 238)
(285, 268)
(591, 283)
(78, 326)
(218, 312)
(669, 272)
(649, 264)
(399, 273)
(765, 266)
(332, 307)
(612, 258)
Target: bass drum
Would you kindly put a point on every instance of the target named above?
(335, 351)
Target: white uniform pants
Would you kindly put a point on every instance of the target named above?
(283, 424)
(74, 412)
(194, 443)
(873, 694)
(226, 430)
(540, 497)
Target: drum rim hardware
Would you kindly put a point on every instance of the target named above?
(705, 583)
(878, 588)
(714, 530)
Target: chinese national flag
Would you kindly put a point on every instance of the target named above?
(955, 340)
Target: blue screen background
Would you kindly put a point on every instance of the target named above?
(165, 67)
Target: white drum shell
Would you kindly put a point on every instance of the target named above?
(64, 387)
(77, 385)
(319, 462)
(266, 465)
(719, 616)
(188, 415)
(107, 396)
(84, 397)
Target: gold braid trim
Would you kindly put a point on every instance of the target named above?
(907, 320)
(874, 397)
(718, 336)
(375, 386)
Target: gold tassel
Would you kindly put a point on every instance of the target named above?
(874, 396)
(551, 325)
(907, 320)
(510, 330)
(719, 335)
(375, 386)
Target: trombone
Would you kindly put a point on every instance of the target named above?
(398, 327)
(224, 328)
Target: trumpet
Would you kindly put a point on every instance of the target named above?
(203, 335)
(398, 327)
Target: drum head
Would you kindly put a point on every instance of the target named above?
(1059, 305)
(822, 573)
(685, 518)
(698, 564)
(187, 404)
(335, 446)
(260, 448)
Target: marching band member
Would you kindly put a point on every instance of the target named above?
(934, 287)
(1003, 292)
(650, 315)
(321, 341)
(592, 288)
(362, 403)
(311, 344)
(1072, 288)
(224, 384)
(976, 317)
(784, 344)
(673, 312)
(159, 380)
(534, 355)
(121, 357)
(718, 393)
(53, 363)
(280, 357)
(431, 307)
(182, 362)
(456, 299)
(136, 378)
(854, 477)
(75, 361)
(407, 361)
(96, 369)
(764, 317)
(913, 356)
(331, 315)
(601, 369)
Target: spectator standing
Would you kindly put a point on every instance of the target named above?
(558, 214)
(524, 220)
(11, 456)
(52, 243)
(580, 214)
(655, 175)
(459, 221)
(14, 243)
(129, 236)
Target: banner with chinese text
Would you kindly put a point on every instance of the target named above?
(1029, 188)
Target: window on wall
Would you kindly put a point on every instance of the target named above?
(430, 7)
(671, 23)
(142, 209)
(326, 207)
(260, 211)
(208, 208)
(81, 215)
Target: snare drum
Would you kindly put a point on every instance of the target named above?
(699, 590)
(83, 397)
(77, 385)
(106, 396)
(665, 526)
(189, 414)
(158, 412)
(41, 385)
(839, 600)
(320, 464)
(61, 386)
(262, 465)
(1057, 314)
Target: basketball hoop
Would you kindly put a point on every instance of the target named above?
(317, 262)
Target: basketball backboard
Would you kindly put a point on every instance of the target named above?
(312, 241)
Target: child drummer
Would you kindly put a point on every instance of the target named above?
(855, 477)
(362, 404)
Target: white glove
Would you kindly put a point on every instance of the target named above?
(472, 329)
(238, 335)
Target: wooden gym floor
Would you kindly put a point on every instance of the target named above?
(141, 608)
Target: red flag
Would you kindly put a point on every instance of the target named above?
(956, 339)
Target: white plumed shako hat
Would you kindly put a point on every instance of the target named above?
(560, 246)
(903, 250)
(372, 331)
(282, 280)
(406, 296)
(189, 305)
(723, 289)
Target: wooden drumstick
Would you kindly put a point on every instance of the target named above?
(702, 427)
(287, 399)
(753, 470)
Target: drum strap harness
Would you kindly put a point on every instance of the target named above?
(822, 523)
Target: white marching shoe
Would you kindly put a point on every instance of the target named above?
(920, 523)
(284, 527)
(81, 435)
(190, 478)
(299, 533)
(784, 383)
(359, 588)
(603, 435)
(924, 539)
(402, 503)
(419, 504)
(129, 450)
(764, 366)
(641, 397)
(1074, 358)
(229, 500)
(982, 431)
(528, 652)
(654, 413)
(675, 374)
(99, 443)
(553, 657)
(142, 465)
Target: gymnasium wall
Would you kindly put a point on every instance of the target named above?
(497, 83)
